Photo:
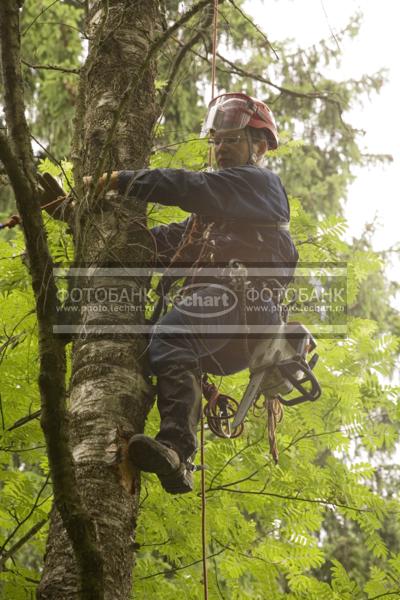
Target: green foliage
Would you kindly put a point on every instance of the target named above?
(23, 464)
(264, 521)
(189, 154)
(322, 525)
(24, 490)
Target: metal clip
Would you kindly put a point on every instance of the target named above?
(195, 468)
(237, 273)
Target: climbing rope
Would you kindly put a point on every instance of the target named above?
(202, 449)
(219, 411)
(203, 512)
(214, 49)
(213, 62)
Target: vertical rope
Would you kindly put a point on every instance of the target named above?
(213, 61)
(202, 452)
(214, 49)
(203, 512)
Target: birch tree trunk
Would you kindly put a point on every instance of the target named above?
(108, 390)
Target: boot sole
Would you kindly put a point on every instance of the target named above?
(176, 483)
(144, 453)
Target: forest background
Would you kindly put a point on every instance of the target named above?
(324, 523)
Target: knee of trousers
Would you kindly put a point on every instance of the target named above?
(165, 352)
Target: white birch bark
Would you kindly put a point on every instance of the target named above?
(108, 389)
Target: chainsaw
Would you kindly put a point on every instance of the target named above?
(278, 366)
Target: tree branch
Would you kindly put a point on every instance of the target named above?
(238, 453)
(38, 16)
(284, 90)
(17, 157)
(12, 341)
(52, 68)
(21, 542)
(395, 593)
(314, 95)
(3, 423)
(226, 488)
(249, 556)
(173, 570)
(12, 449)
(249, 20)
(27, 516)
(308, 435)
(185, 48)
(24, 420)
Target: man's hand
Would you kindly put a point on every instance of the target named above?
(108, 181)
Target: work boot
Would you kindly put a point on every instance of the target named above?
(179, 404)
(154, 457)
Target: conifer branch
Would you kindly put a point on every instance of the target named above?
(249, 20)
(185, 48)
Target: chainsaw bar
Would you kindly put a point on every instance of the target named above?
(251, 396)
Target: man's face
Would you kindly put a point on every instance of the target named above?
(231, 148)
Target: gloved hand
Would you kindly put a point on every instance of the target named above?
(108, 180)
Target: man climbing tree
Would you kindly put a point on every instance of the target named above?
(265, 521)
(241, 214)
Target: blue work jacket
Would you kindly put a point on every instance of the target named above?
(242, 204)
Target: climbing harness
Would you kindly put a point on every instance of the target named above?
(202, 436)
(195, 227)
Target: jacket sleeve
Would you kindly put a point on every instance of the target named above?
(249, 192)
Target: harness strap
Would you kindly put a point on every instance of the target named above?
(277, 226)
(283, 226)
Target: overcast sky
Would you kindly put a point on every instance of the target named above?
(376, 190)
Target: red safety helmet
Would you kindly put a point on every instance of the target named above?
(236, 110)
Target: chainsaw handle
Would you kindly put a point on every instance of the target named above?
(301, 365)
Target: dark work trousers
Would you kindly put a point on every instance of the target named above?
(191, 339)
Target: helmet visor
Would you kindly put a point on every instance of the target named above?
(226, 113)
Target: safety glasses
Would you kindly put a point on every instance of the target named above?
(225, 139)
